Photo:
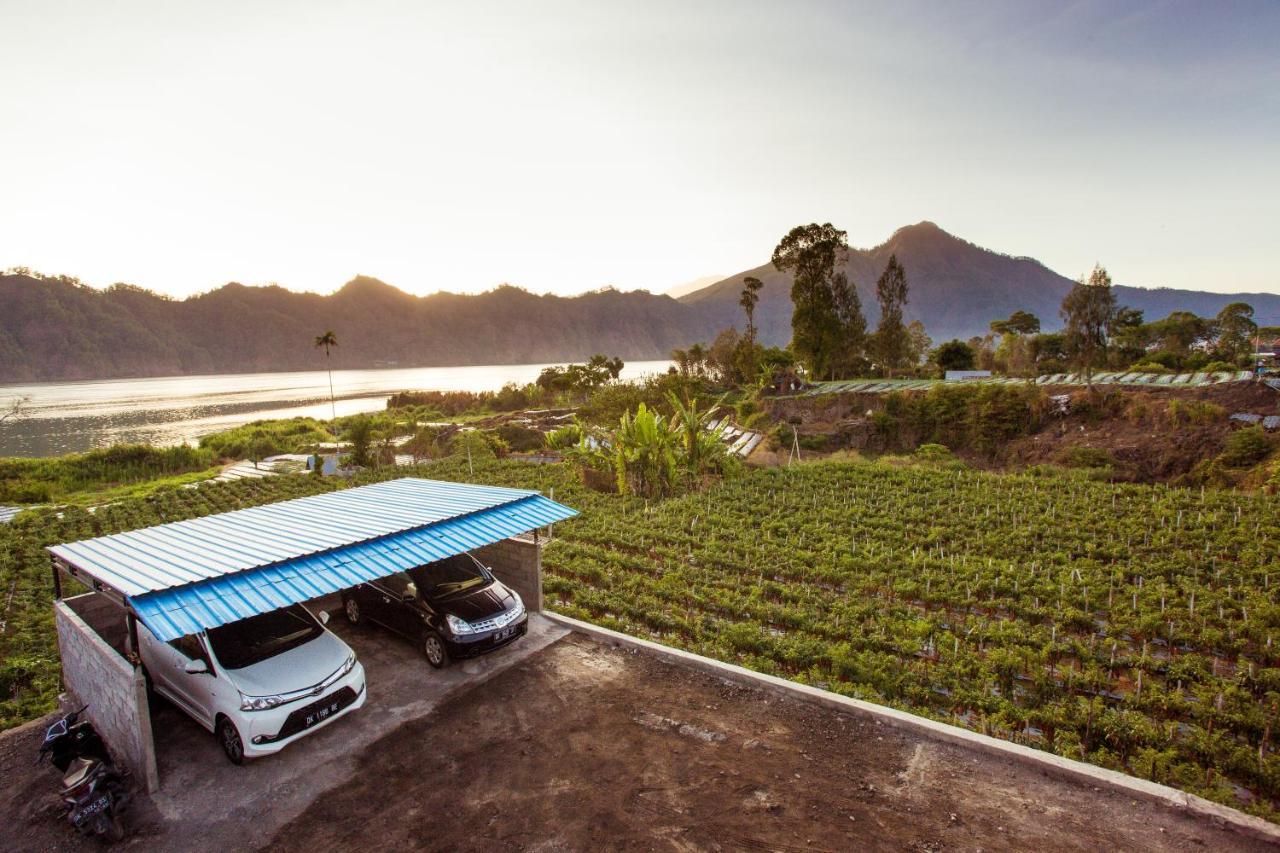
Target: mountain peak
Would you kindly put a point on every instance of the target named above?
(368, 287)
(923, 230)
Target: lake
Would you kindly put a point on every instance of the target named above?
(65, 417)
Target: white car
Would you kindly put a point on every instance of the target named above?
(258, 684)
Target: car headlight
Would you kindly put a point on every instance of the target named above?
(259, 703)
(349, 665)
(458, 626)
(518, 607)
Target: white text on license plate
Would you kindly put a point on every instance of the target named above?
(317, 716)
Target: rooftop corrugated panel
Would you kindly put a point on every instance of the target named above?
(185, 552)
(171, 613)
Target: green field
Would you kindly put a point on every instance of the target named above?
(1129, 626)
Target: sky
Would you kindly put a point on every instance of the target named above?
(565, 146)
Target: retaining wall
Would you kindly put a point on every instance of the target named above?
(97, 675)
(517, 562)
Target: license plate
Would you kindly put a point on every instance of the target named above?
(92, 809)
(504, 633)
(321, 714)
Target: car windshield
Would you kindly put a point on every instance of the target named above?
(449, 576)
(257, 638)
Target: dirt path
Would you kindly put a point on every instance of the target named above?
(585, 747)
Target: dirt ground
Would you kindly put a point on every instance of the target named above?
(30, 809)
(207, 804)
(585, 747)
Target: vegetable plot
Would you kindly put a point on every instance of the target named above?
(1130, 626)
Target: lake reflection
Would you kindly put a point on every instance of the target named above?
(64, 417)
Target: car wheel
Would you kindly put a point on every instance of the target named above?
(352, 608)
(229, 740)
(434, 648)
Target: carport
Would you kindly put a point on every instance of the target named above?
(187, 576)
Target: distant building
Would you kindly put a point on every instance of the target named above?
(966, 375)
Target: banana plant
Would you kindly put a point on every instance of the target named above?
(702, 449)
(644, 453)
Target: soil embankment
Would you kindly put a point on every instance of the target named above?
(1138, 434)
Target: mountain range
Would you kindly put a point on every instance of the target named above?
(956, 289)
(54, 329)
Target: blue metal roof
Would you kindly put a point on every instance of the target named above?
(186, 576)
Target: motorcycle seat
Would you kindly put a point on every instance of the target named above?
(77, 772)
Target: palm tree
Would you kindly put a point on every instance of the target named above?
(327, 340)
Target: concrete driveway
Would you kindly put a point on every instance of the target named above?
(202, 798)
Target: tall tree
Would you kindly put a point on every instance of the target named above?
(750, 296)
(920, 342)
(1019, 323)
(1130, 335)
(827, 327)
(954, 355)
(849, 357)
(1089, 311)
(1235, 329)
(892, 343)
(328, 340)
(1180, 332)
(1015, 353)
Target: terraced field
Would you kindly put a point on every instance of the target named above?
(1129, 626)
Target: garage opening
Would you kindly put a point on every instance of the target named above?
(186, 577)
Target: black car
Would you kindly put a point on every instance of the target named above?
(454, 608)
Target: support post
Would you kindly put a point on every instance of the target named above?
(57, 579)
(131, 619)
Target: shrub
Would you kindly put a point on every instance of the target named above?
(1203, 412)
(816, 443)
(934, 453)
(1194, 412)
(520, 438)
(452, 403)
(480, 444)
(1151, 367)
(39, 480)
(1164, 358)
(295, 435)
(564, 437)
(1246, 447)
(1079, 456)
(980, 417)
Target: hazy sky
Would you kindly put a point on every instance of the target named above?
(563, 146)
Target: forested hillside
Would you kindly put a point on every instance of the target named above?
(59, 329)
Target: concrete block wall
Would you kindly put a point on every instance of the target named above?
(97, 675)
(102, 615)
(517, 562)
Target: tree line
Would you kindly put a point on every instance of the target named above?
(830, 338)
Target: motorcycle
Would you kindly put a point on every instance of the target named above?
(92, 787)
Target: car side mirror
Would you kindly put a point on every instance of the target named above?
(410, 592)
(324, 617)
(196, 667)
